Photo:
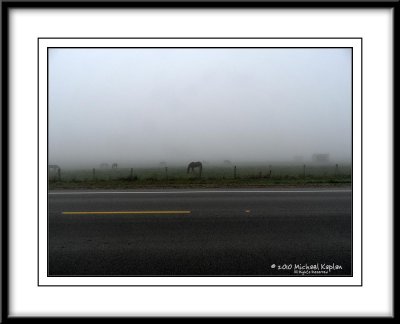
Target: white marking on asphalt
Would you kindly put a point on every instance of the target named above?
(193, 192)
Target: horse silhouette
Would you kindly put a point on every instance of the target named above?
(193, 165)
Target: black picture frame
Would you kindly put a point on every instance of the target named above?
(7, 6)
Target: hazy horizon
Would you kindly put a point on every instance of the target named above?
(146, 106)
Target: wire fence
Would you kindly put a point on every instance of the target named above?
(210, 173)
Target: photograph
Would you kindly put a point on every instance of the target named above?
(200, 161)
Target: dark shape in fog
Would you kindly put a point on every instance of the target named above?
(320, 158)
(194, 165)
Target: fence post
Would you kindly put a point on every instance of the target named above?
(234, 172)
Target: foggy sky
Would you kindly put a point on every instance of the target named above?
(135, 106)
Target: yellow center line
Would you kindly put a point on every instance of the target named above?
(127, 212)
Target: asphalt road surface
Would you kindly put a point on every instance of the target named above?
(200, 233)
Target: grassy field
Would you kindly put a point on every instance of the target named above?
(211, 177)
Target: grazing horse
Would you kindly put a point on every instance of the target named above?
(193, 165)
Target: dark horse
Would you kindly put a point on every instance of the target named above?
(193, 165)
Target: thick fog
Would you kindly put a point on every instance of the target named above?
(146, 106)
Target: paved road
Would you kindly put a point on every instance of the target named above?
(186, 232)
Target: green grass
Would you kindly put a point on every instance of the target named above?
(212, 177)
